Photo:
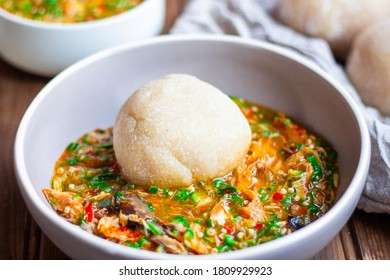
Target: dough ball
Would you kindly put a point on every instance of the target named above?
(336, 21)
(369, 66)
(179, 130)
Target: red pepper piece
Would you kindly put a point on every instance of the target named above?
(117, 166)
(278, 196)
(89, 212)
(134, 235)
(230, 228)
(122, 229)
(258, 226)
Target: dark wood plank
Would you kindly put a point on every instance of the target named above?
(334, 251)
(17, 89)
(49, 251)
(371, 235)
(347, 243)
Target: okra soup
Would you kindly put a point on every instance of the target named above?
(286, 179)
(67, 11)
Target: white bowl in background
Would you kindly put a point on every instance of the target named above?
(47, 48)
(89, 94)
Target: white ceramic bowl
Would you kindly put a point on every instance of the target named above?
(89, 94)
(48, 48)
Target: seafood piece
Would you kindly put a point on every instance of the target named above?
(204, 204)
(110, 228)
(170, 228)
(68, 204)
(195, 243)
(254, 210)
(133, 204)
(134, 212)
(101, 201)
(170, 245)
(221, 213)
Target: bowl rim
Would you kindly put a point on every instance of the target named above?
(119, 251)
(76, 25)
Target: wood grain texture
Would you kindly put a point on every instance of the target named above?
(366, 236)
(371, 235)
(347, 243)
(17, 89)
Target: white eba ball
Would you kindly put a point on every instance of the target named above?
(179, 130)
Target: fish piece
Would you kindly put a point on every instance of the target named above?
(110, 228)
(67, 204)
(132, 221)
(102, 201)
(134, 212)
(170, 245)
(170, 228)
(196, 244)
(135, 205)
(254, 210)
(204, 204)
(220, 212)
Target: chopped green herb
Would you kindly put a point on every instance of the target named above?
(106, 176)
(155, 229)
(181, 220)
(229, 240)
(236, 199)
(222, 186)
(313, 208)
(72, 161)
(286, 201)
(153, 189)
(129, 186)
(86, 138)
(264, 197)
(26, 6)
(195, 197)
(182, 195)
(210, 223)
(266, 133)
(51, 3)
(317, 174)
(239, 101)
(223, 248)
(189, 234)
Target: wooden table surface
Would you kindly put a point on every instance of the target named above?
(366, 236)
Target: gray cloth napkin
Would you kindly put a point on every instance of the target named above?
(252, 19)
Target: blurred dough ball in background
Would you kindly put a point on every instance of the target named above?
(368, 66)
(336, 21)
